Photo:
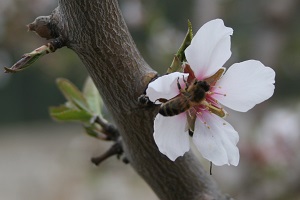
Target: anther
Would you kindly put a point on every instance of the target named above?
(219, 93)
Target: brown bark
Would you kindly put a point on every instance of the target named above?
(96, 31)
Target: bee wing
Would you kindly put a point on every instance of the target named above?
(214, 78)
(191, 118)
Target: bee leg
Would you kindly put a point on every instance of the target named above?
(210, 168)
(191, 133)
(186, 83)
(178, 84)
(144, 100)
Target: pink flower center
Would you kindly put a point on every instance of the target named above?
(208, 104)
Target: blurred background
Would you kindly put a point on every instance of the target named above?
(43, 159)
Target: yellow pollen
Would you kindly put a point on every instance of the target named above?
(208, 127)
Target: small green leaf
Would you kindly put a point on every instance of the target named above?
(28, 59)
(179, 56)
(176, 65)
(91, 131)
(64, 113)
(92, 96)
(72, 94)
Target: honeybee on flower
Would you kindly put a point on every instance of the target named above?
(192, 100)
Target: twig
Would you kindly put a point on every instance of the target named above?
(115, 149)
(29, 58)
(108, 129)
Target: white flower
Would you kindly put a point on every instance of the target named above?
(243, 86)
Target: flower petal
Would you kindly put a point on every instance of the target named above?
(165, 87)
(245, 85)
(209, 49)
(216, 140)
(170, 135)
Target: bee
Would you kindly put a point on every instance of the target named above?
(192, 95)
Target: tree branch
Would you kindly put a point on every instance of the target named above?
(96, 31)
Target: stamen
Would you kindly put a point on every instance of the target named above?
(202, 121)
(202, 108)
(207, 126)
(218, 93)
(213, 86)
(200, 117)
(212, 101)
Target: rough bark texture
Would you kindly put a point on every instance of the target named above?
(96, 31)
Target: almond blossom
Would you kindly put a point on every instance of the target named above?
(240, 88)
